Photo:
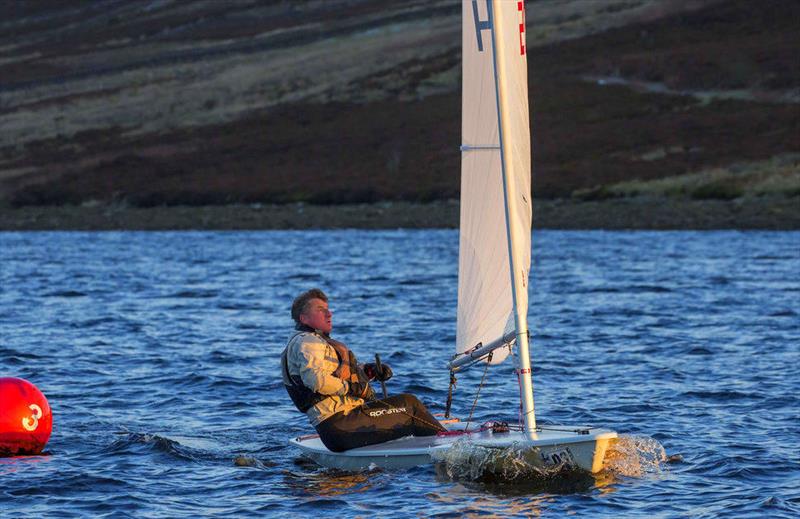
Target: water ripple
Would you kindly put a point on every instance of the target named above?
(159, 355)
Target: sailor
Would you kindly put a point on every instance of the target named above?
(326, 382)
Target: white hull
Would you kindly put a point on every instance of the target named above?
(551, 448)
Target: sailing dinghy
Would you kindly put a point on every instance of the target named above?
(494, 259)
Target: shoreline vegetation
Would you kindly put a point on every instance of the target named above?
(631, 213)
(746, 196)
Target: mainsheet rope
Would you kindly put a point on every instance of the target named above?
(483, 378)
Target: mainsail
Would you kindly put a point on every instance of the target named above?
(485, 286)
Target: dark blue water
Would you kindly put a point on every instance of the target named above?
(159, 355)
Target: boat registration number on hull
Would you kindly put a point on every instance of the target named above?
(558, 457)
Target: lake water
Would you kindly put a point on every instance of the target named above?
(159, 354)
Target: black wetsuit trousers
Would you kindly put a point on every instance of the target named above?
(377, 422)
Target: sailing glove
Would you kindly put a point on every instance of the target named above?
(359, 380)
(371, 370)
(359, 390)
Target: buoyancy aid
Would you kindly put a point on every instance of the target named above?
(305, 398)
(302, 397)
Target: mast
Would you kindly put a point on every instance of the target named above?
(509, 194)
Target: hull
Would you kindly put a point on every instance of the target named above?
(551, 448)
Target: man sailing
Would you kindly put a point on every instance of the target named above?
(325, 381)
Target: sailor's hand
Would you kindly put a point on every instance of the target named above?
(358, 389)
(371, 370)
(343, 371)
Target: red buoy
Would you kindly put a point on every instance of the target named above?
(25, 418)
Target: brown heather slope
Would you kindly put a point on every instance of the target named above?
(672, 90)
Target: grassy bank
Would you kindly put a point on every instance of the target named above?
(779, 176)
(640, 212)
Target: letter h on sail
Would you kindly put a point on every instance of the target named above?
(481, 25)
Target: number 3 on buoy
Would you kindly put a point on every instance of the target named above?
(26, 419)
(31, 425)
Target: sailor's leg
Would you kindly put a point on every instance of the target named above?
(422, 421)
(378, 422)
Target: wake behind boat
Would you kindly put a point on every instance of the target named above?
(494, 262)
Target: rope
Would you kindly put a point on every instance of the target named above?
(564, 429)
(498, 427)
(450, 394)
(475, 402)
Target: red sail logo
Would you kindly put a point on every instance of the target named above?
(521, 9)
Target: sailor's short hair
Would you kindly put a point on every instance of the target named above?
(301, 301)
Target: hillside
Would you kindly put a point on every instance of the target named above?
(193, 103)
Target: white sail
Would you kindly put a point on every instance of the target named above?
(485, 302)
